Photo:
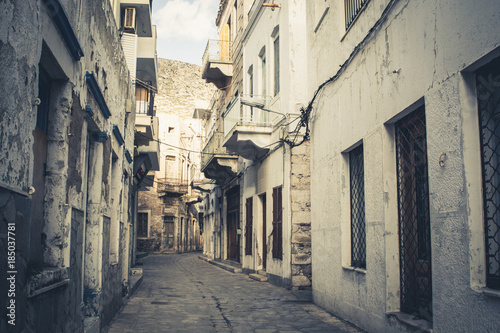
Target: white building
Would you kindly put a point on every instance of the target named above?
(404, 170)
(263, 219)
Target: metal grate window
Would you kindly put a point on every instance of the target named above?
(488, 90)
(249, 226)
(352, 10)
(358, 231)
(277, 223)
(414, 220)
(142, 224)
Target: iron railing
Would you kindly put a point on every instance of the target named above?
(172, 185)
(358, 232)
(488, 88)
(238, 114)
(217, 50)
(414, 219)
(212, 148)
(352, 9)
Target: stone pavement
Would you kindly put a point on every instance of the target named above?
(181, 293)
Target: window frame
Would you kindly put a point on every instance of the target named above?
(357, 207)
(139, 227)
(277, 223)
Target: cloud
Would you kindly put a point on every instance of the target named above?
(187, 19)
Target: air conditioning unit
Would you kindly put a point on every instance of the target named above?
(129, 19)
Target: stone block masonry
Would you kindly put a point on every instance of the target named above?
(301, 217)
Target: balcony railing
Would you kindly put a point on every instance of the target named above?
(212, 148)
(172, 185)
(217, 50)
(352, 9)
(238, 114)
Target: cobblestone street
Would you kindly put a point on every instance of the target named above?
(181, 293)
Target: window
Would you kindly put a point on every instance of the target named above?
(250, 91)
(142, 224)
(249, 226)
(170, 130)
(276, 65)
(358, 229)
(263, 74)
(414, 220)
(488, 90)
(277, 223)
(352, 10)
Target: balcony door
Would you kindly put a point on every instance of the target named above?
(233, 219)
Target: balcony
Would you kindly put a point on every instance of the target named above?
(216, 162)
(172, 187)
(146, 139)
(147, 60)
(143, 22)
(216, 63)
(248, 129)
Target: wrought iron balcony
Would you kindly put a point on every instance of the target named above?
(217, 62)
(248, 127)
(216, 162)
(174, 186)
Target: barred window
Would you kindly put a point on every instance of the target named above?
(488, 92)
(249, 226)
(414, 218)
(142, 224)
(352, 10)
(277, 223)
(358, 229)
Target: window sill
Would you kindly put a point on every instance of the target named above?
(491, 292)
(354, 269)
(48, 279)
(410, 320)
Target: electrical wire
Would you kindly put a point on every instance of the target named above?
(180, 148)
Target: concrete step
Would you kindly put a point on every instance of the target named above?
(227, 267)
(204, 258)
(262, 272)
(258, 277)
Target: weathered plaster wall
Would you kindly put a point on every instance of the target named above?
(27, 32)
(417, 54)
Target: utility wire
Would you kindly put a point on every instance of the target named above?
(180, 148)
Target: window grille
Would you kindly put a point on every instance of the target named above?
(352, 9)
(488, 90)
(358, 230)
(142, 224)
(249, 226)
(414, 220)
(276, 65)
(277, 223)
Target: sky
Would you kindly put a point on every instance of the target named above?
(184, 28)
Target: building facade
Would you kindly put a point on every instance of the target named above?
(403, 173)
(259, 215)
(169, 215)
(66, 171)
(138, 39)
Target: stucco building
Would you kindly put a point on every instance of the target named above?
(66, 172)
(258, 211)
(169, 216)
(402, 102)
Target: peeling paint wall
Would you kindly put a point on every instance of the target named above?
(67, 227)
(398, 54)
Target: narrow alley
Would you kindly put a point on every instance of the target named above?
(181, 293)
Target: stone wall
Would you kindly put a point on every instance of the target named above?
(71, 202)
(300, 194)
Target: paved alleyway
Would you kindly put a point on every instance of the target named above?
(181, 293)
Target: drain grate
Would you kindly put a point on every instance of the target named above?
(159, 302)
